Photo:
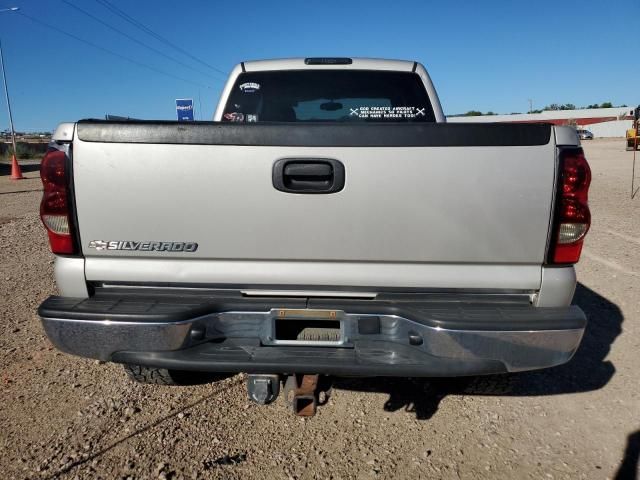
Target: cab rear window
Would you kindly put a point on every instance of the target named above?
(328, 96)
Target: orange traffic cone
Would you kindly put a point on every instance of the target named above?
(16, 172)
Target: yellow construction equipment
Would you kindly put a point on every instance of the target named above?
(633, 135)
(633, 139)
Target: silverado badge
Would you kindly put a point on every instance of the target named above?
(150, 246)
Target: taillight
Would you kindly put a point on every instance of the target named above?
(572, 216)
(55, 210)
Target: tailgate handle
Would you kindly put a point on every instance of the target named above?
(308, 175)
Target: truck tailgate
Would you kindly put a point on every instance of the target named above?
(474, 198)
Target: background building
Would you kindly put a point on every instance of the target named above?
(602, 122)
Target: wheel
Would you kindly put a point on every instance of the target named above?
(162, 376)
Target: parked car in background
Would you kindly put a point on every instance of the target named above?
(585, 135)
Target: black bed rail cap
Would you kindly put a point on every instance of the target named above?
(316, 134)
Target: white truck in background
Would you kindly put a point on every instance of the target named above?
(327, 222)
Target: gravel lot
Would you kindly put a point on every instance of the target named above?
(66, 417)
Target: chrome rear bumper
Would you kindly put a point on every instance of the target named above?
(377, 338)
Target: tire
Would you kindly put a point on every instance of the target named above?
(162, 376)
(490, 385)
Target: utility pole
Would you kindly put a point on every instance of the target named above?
(636, 134)
(16, 173)
(530, 105)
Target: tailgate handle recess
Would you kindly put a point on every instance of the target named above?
(308, 175)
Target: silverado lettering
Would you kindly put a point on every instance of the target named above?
(144, 246)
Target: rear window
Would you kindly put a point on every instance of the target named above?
(328, 96)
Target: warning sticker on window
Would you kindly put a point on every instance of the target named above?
(387, 112)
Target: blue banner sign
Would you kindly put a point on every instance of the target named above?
(184, 108)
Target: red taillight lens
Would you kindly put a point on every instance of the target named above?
(54, 208)
(576, 176)
(572, 216)
(52, 169)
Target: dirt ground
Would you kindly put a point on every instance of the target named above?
(67, 417)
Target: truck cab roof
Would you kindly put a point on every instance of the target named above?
(328, 63)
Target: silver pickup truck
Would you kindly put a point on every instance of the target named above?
(327, 222)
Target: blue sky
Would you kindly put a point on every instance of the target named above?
(489, 55)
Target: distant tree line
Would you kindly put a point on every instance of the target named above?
(553, 106)
(571, 106)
